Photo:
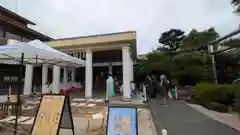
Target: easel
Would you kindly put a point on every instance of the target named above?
(54, 113)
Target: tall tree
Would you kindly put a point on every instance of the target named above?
(200, 69)
(187, 68)
(171, 41)
(236, 4)
(196, 39)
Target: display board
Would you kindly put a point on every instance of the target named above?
(122, 121)
(52, 115)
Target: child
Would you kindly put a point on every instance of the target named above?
(174, 92)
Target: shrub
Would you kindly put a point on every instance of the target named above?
(236, 92)
(206, 93)
(210, 94)
(218, 107)
(236, 106)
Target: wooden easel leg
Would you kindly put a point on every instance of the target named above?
(88, 126)
(102, 123)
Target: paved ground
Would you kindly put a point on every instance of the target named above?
(180, 119)
(144, 125)
(83, 115)
(230, 119)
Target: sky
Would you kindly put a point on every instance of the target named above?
(149, 18)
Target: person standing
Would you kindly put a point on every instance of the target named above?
(164, 88)
(150, 88)
(155, 87)
(133, 88)
(174, 92)
(110, 86)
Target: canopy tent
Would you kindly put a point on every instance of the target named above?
(11, 54)
(35, 53)
(39, 44)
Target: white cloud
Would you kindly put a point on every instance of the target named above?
(67, 18)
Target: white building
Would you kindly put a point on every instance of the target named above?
(106, 53)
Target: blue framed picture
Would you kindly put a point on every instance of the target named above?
(122, 121)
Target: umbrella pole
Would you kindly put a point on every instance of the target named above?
(18, 94)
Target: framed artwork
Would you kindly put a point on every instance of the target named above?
(122, 121)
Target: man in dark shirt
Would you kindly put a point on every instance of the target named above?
(149, 85)
(164, 83)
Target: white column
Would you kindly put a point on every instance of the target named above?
(65, 76)
(88, 74)
(28, 80)
(44, 79)
(126, 73)
(73, 72)
(56, 80)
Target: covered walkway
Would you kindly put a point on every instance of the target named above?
(180, 119)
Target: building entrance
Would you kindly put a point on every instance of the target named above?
(100, 75)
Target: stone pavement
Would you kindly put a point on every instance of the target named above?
(180, 119)
(230, 119)
(85, 116)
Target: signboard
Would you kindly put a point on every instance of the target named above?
(52, 115)
(122, 121)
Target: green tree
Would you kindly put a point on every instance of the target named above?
(187, 67)
(199, 39)
(195, 65)
(171, 41)
(153, 63)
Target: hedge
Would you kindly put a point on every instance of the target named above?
(236, 106)
(211, 95)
